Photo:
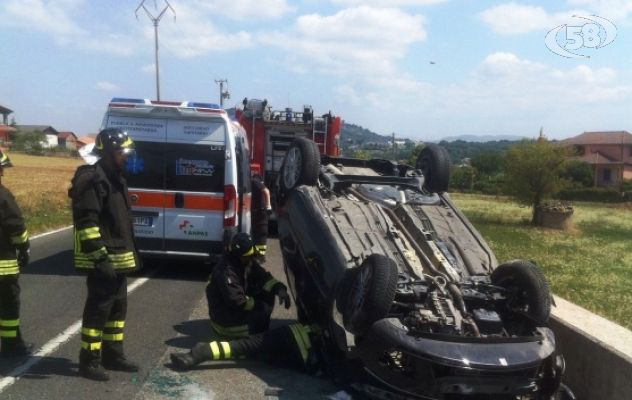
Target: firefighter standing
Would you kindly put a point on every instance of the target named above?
(241, 293)
(14, 254)
(293, 345)
(261, 207)
(104, 248)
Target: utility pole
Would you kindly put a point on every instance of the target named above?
(156, 20)
(222, 94)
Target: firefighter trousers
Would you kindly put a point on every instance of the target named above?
(287, 346)
(253, 321)
(103, 319)
(9, 312)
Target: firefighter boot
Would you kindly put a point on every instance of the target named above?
(15, 347)
(199, 353)
(90, 366)
(113, 358)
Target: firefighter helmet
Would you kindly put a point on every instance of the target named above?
(111, 140)
(5, 162)
(242, 245)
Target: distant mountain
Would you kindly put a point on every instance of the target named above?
(355, 135)
(482, 138)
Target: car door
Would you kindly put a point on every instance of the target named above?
(194, 185)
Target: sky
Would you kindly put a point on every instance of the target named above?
(423, 69)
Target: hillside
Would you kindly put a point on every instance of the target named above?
(353, 134)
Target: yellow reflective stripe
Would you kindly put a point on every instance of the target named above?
(91, 346)
(250, 303)
(270, 284)
(9, 334)
(91, 332)
(249, 252)
(128, 143)
(20, 239)
(115, 324)
(9, 323)
(215, 351)
(122, 256)
(299, 342)
(4, 157)
(9, 271)
(113, 337)
(261, 249)
(89, 233)
(226, 348)
(230, 331)
(8, 263)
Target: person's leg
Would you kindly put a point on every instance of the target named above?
(259, 319)
(101, 296)
(113, 352)
(11, 344)
(287, 346)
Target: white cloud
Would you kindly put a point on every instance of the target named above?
(391, 3)
(107, 86)
(193, 34)
(149, 69)
(247, 9)
(58, 19)
(359, 41)
(513, 18)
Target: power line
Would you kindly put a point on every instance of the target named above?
(156, 20)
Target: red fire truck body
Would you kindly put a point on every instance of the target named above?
(271, 132)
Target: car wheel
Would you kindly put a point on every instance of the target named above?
(371, 292)
(434, 163)
(300, 166)
(528, 290)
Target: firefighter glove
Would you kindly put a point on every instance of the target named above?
(281, 293)
(103, 269)
(23, 257)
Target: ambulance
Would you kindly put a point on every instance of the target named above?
(189, 182)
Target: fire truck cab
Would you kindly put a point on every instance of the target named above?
(270, 133)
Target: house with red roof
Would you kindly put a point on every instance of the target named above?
(609, 153)
(67, 139)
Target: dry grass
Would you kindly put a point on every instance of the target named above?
(590, 265)
(40, 185)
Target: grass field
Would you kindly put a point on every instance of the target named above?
(40, 185)
(590, 265)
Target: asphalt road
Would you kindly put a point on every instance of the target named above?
(166, 313)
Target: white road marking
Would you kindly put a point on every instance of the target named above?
(51, 232)
(54, 344)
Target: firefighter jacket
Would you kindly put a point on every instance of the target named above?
(233, 292)
(103, 220)
(13, 234)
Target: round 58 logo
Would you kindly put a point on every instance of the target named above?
(589, 35)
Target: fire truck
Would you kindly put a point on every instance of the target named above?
(270, 133)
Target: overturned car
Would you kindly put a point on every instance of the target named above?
(404, 286)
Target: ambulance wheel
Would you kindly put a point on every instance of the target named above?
(434, 163)
(301, 165)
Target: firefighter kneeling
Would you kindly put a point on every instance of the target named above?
(288, 346)
(241, 293)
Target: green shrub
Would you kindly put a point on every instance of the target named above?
(596, 194)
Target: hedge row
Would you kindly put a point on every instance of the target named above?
(599, 195)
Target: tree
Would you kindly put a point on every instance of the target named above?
(361, 154)
(579, 172)
(462, 178)
(412, 160)
(533, 172)
(30, 142)
(13, 123)
(488, 163)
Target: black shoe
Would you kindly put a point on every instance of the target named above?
(183, 361)
(20, 349)
(120, 364)
(94, 371)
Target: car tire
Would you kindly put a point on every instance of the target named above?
(528, 288)
(370, 293)
(434, 163)
(300, 166)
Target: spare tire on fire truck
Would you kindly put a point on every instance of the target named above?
(300, 166)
